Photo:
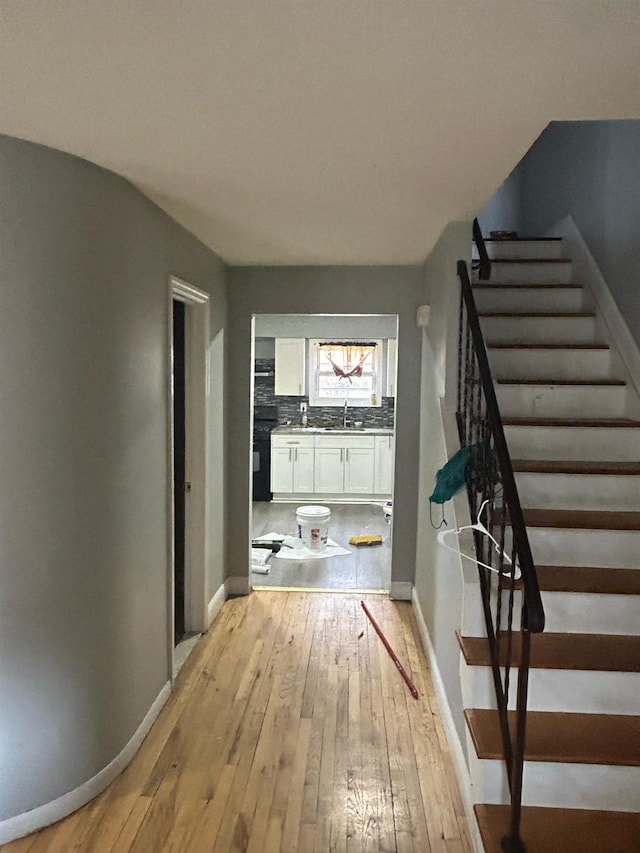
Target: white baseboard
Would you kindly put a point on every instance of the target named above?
(587, 272)
(237, 585)
(24, 824)
(401, 590)
(215, 604)
(457, 753)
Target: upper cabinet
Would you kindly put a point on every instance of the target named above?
(290, 367)
(392, 366)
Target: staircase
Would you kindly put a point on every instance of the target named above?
(572, 423)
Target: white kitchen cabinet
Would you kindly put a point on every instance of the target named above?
(359, 470)
(344, 464)
(292, 464)
(384, 460)
(290, 366)
(329, 470)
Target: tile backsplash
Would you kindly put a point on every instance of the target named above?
(289, 407)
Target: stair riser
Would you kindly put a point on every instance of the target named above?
(559, 364)
(544, 249)
(576, 443)
(587, 786)
(534, 273)
(561, 401)
(579, 491)
(565, 612)
(538, 330)
(612, 549)
(529, 299)
(579, 691)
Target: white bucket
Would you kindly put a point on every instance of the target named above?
(313, 526)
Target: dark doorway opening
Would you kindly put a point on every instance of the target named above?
(179, 468)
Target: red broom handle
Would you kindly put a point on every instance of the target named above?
(392, 654)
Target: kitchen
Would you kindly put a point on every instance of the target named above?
(324, 433)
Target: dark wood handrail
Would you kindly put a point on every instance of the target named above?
(484, 266)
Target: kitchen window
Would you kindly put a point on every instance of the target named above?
(345, 370)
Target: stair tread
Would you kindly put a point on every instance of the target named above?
(545, 829)
(608, 383)
(522, 314)
(483, 285)
(589, 579)
(617, 423)
(593, 652)
(582, 519)
(530, 260)
(558, 346)
(572, 466)
(572, 738)
(523, 239)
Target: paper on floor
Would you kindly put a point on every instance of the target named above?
(259, 557)
(301, 552)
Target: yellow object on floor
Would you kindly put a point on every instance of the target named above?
(374, 539)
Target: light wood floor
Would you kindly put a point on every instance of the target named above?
(289, 730)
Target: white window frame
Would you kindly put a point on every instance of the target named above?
(360, 402)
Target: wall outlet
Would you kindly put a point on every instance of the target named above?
(303, 407)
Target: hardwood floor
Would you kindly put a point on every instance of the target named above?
(290, 729)
(364, 568)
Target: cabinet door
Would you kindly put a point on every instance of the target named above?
(290, 367)
(329, 470)
(358, 470)
(384, 464)
(303, 465)
(281, 469)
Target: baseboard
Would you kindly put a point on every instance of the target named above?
(457, 754)
(24, 824)
(237, 585)
(215, 604)
(587, 272)
(401, 590)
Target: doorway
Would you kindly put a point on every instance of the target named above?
(323, 395)
(188, 345)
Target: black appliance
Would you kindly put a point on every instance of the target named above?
(265, 418)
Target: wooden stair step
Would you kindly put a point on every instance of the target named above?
(605, 383)
(589, 579)
(555, 830)
(611, 739)
(530, 261)
(537, 286)
(557, 346)
(617, 423)
(523, 314)
(582, 519)
(594, 652)
(571, 466)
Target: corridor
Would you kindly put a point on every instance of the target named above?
(289, 730)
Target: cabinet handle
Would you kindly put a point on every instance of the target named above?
(295, 458)
(341, 452)
(290, 452)
(347, 454)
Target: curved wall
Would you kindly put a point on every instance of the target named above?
(84, 266)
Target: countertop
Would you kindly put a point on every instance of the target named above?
(311, 430)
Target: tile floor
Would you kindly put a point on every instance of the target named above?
(363, 568)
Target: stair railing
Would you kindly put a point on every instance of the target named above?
(509, 574)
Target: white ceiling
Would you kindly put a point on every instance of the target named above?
(313, 132)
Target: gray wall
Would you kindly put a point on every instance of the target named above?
(591, 171)
(324, 290)
(438, 579)
(85, 260)
(503, 211)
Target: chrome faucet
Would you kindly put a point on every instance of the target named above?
(344, 416)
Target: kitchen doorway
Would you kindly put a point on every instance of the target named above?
(323, 433)
(188, 337)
